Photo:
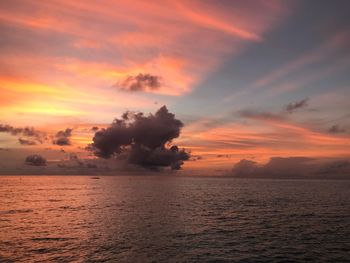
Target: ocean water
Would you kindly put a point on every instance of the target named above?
(173, 219)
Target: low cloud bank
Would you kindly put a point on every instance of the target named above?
(29, 136)
(145, 140)
(35, 160)
(28, 132)
(292, 167)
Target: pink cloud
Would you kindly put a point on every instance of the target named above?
(170, 39)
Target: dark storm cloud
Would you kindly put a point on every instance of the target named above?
(291, 167)
(63, 137)
(35, 160)
(140, 82)
(291, 107)
(336, 129)
(38, 136)
(158, 157)
(144, 138)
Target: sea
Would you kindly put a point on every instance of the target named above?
(169, 218)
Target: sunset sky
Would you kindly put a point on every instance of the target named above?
(249, 79)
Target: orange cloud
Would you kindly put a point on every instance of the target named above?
(170, 39)
(61, 63)
(28, 102)
(259, 140)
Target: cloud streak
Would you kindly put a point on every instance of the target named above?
(260, 135)
(147, 37)
(260, 115)
(291, 107)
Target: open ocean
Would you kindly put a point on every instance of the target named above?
(173, 219)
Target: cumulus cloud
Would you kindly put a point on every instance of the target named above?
(143, 138)
(140, 82)
(63, 137)
(291, 167)
(336, 129)
(35, 160)
(291, 107)
(38, 136)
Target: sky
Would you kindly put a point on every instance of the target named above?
(256, 80)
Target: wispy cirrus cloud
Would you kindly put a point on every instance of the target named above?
(260, 135)
(281, 115)
(260, 115)
(318, 54)
(146, 39)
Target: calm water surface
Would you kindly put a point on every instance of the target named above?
(173, 219)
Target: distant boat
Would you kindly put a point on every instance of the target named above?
(95, 177)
